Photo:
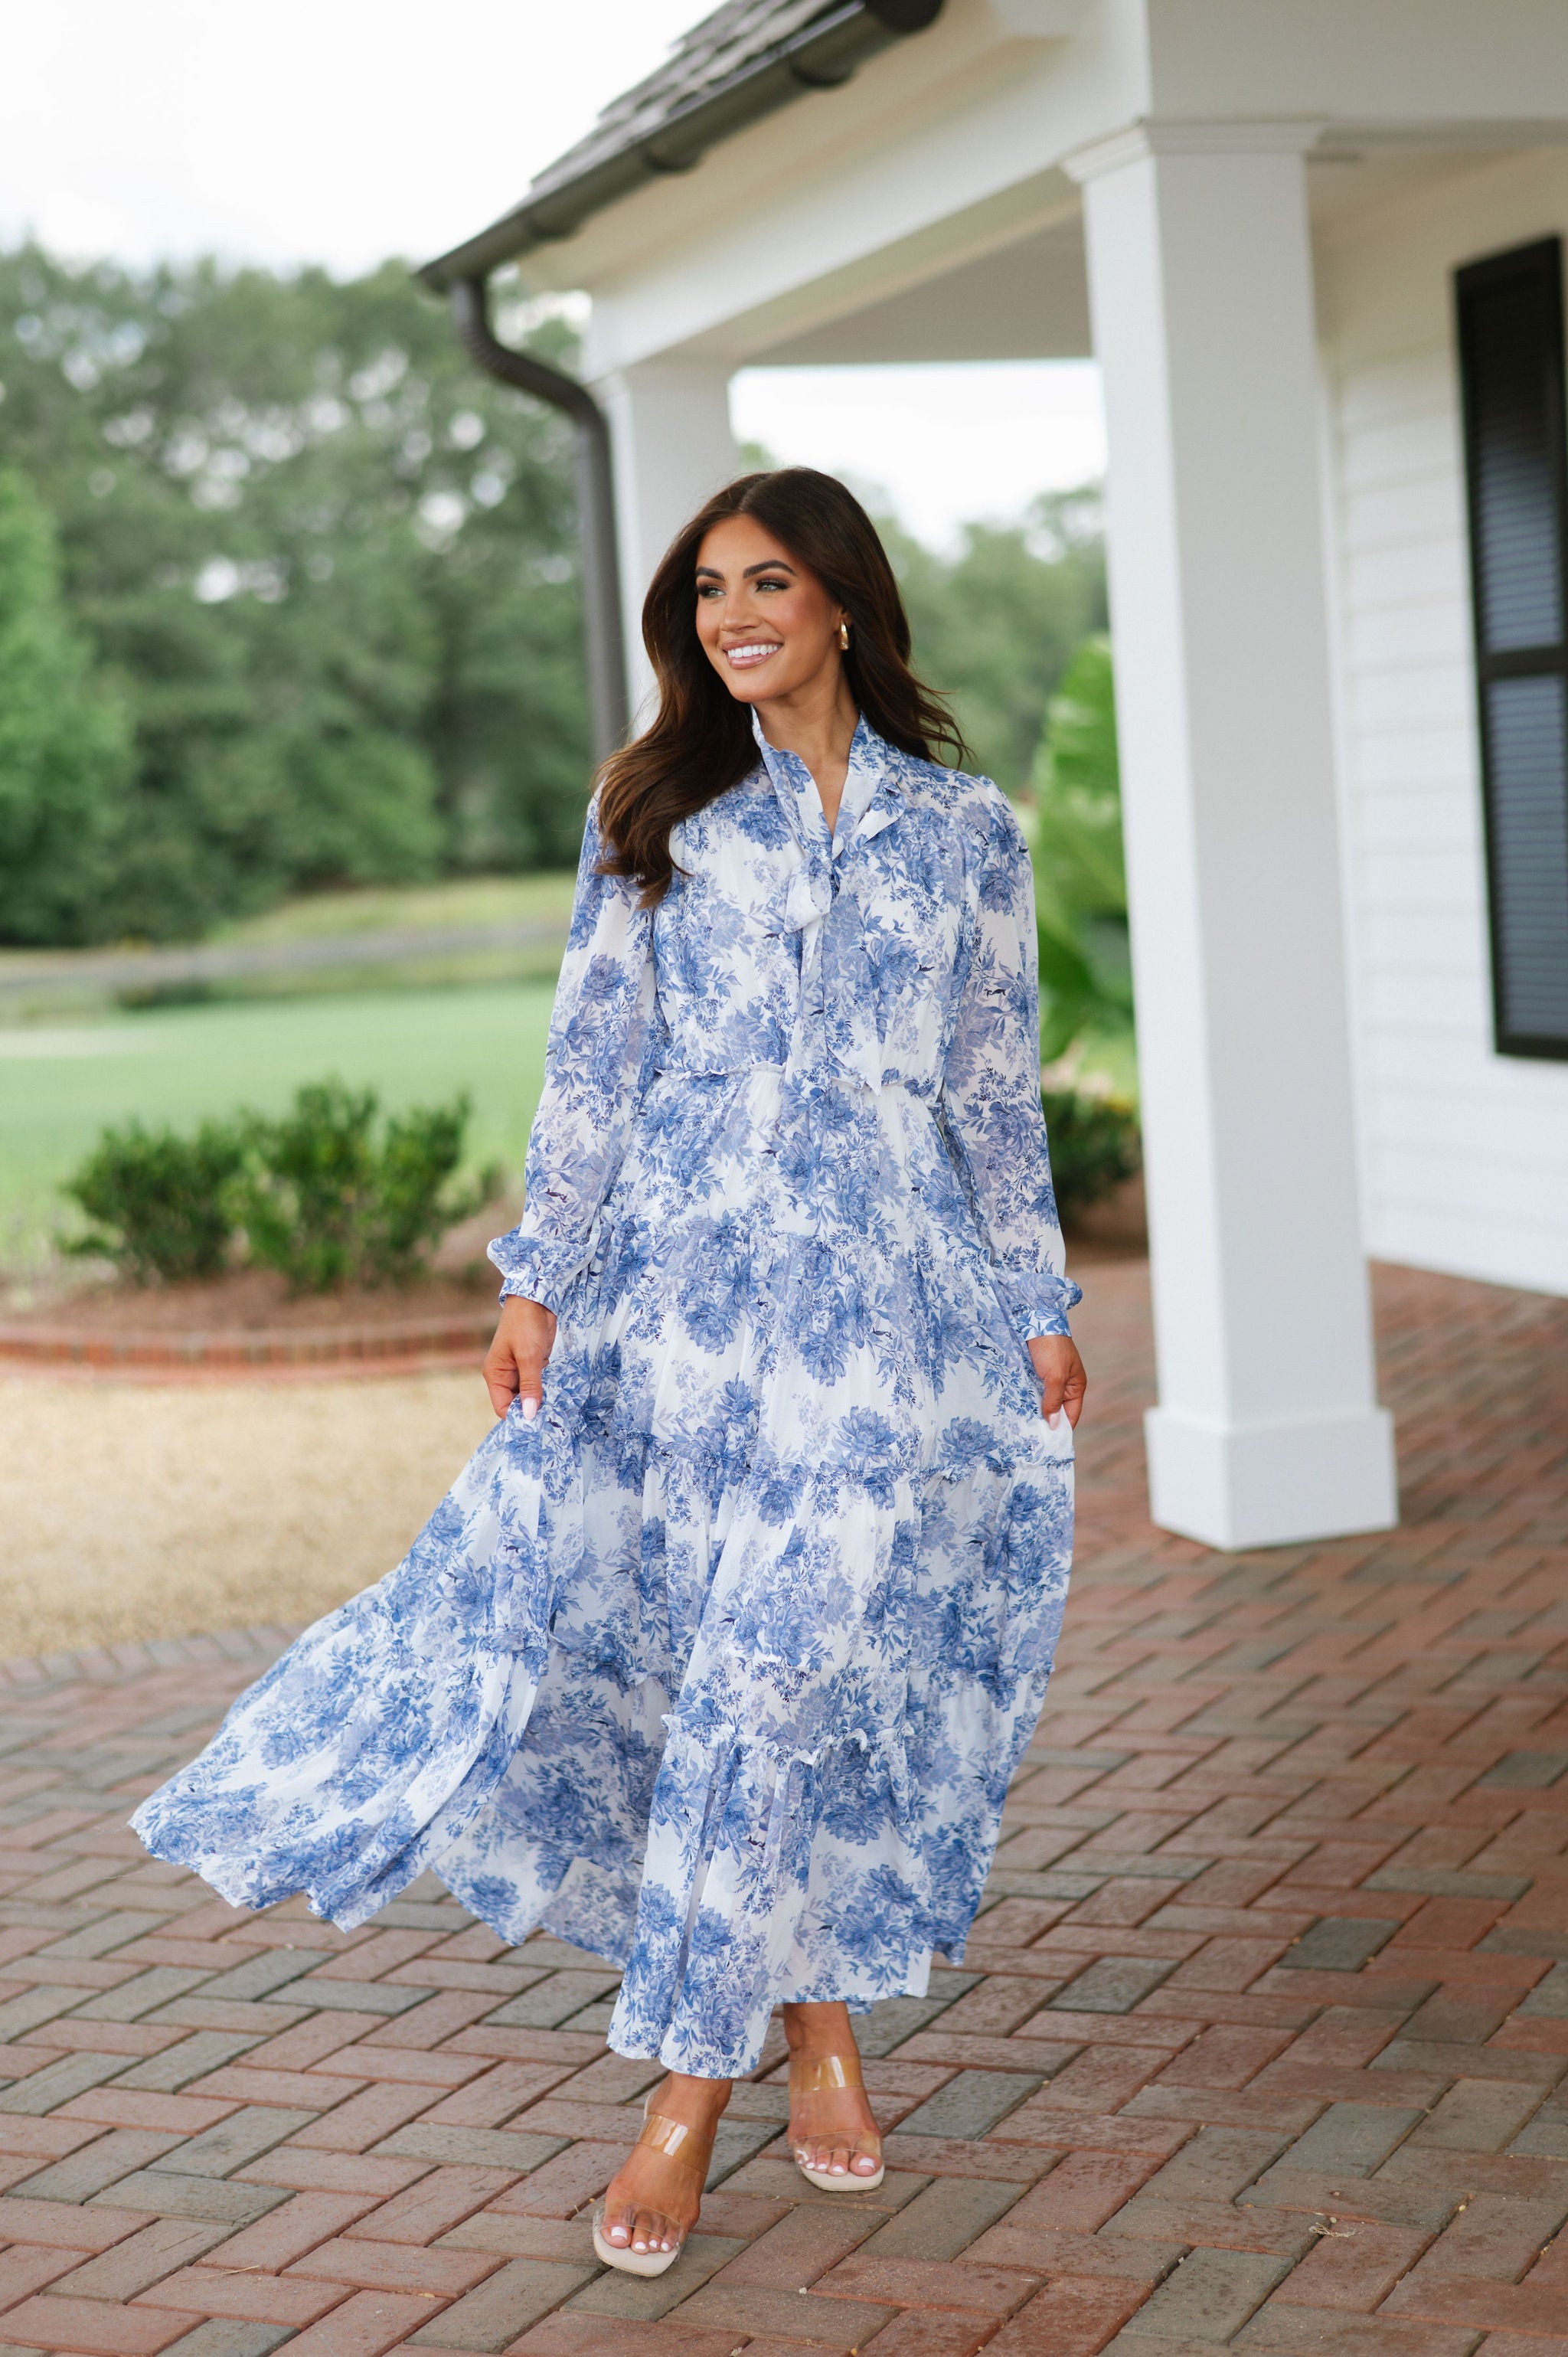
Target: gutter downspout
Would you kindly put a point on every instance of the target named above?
(824, 53)
(609, 709)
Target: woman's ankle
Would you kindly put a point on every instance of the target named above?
(679, 2091)
(818, 2029)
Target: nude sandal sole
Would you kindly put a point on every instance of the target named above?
(825, 2183)
(634, 2263)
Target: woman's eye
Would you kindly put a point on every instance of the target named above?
(773, 584)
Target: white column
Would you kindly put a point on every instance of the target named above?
(1200, 278)
(670, 431)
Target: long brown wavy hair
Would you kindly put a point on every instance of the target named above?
(700, 742)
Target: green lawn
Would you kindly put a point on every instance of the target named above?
(59, 1083)
(462, 901)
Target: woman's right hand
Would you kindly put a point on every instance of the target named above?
(514, 1363)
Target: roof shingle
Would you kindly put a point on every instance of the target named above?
(722, 46)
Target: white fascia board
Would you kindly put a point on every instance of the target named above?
(942, 147)
(647, 320)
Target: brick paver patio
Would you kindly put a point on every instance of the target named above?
(1257, 2045)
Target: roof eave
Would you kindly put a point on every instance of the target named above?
(819, 57)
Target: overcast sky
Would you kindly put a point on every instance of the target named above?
(339, 131)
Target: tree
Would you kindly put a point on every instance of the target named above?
(64, 744)
(334, 566)
(996, 625)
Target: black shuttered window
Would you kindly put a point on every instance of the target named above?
(1512, 366)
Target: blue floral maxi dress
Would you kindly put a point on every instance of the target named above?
(719, 1667)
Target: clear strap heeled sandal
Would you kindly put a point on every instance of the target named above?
(690, 2150)
(827, 2074)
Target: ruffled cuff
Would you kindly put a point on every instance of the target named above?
(1036, 1301)
(536, 1269)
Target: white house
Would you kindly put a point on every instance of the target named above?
(1314, 247)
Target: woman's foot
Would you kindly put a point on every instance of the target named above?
(653, 2198)
(831, 2128)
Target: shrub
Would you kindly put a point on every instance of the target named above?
(1094, 1146)
(315, 1194)
(162, 1202)
(322, 1201)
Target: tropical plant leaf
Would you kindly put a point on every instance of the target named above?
(1080, 881)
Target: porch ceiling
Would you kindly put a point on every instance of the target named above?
(1028, 300)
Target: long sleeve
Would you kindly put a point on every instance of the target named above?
(991, 1100)
(598, 1033)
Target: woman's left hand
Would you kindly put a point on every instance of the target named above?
(1061, 1370)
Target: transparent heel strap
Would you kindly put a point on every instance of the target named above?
(829, 2073)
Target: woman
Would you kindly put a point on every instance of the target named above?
(719, 1655)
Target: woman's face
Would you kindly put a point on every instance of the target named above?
(767, 625)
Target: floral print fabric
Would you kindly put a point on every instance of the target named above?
(719, 1667)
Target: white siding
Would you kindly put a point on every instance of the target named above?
(1465, 1152)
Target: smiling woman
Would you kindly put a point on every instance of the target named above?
(719, 1655)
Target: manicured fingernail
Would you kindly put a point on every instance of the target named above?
(530, 1410)
(1054, 1418)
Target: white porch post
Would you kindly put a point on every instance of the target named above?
(1201, 277)
(669, 432)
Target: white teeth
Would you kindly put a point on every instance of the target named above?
(740, 655)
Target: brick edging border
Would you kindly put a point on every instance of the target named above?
(275, 1348)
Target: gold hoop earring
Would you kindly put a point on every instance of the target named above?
(843, 636)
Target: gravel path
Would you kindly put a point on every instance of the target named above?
(132, 1513)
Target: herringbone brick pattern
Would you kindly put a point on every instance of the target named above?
(1257, 2044)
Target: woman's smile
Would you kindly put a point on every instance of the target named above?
(753, 651)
